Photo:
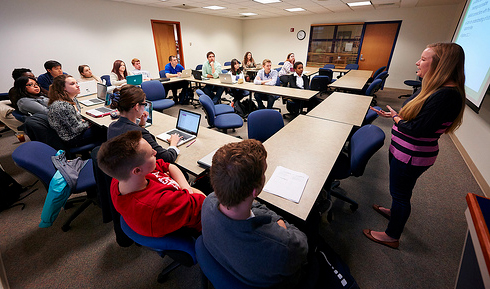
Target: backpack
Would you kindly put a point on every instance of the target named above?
(10, 191)
(245, 107)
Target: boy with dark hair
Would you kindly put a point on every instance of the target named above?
(174, 69)
(250, 241)
(53, 69)
(153, 196)
(212, 69)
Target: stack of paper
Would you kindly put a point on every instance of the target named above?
(287, 184)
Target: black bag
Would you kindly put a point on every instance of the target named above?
(10, 192)
(245, 107)
(185, 96)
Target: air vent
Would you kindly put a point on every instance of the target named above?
(386, 4)
(185, 7)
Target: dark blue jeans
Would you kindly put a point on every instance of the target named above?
(214, 92)
(262, 96)
(402, 181)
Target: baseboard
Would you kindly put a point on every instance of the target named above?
(471, 165)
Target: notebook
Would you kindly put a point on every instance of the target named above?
(187, 127)
(134, 79)
(198, 75)
(227, 78)
(101, 96)
(186, 73)
(104, 110)
(87, 87)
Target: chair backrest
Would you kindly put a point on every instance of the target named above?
(278, 69)
(199, 92)
(107, 79)
(228, 63)
(199, 67)
(153, 89)
(329, 66)
(378, 71)
(370, 116)
(382, 75)
(209, 109)
(224, 71)
(320, 83)
(281, 63)
(173, 244)
(212, 269)
(263, 123)
(4, 95)
(35, 157)
(352, 66)
(373, 87)
(19, 116)
(37, 128)
(162, 73)
(326, 71)
(364, 143)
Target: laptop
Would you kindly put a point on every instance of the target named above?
(207, 160)
(134, 79)
(186, 73)
(104, 110)
(187, 127)
(101, 95)
(227, 78)
(149, 109)
(198, 75)
(87, 87)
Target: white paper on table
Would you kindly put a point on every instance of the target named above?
(287, 184)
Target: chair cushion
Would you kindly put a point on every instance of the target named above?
(223, 108)
(228, 120)
(162, 104)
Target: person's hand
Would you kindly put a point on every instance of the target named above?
(174, 139)
(212, 64)
(196, 191)
(380, 112)
(143, 118)
(281, 223)
(393, 113)
(179, 74)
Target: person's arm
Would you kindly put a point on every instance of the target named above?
(273, 80)
(115, 81)
(63, 118)
(168, 155)
(168, 73)
(258, 77)
(29, 105)
(217, 70)
(177, 175)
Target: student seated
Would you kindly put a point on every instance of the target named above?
(137, 69)
(248, 62)
(53, 69)
(153, 196)
(250, 241)
(30, 98)
(287, 67)
(266, 76)
(212, 69)
(130, 101)
(300, 81)
(13, 92)
(174, 69)
(236, 74)
(119, 73)
(86, 74)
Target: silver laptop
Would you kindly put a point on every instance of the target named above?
(207, 160)
(104, 110)
(101, 90)
(226, 78)
(186, 73)
(187, 127)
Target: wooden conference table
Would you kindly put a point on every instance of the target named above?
(353, 80)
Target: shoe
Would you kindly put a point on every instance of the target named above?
(394, 245)
(376, 208)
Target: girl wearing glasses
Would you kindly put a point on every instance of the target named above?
(30, 98)
(130, 101)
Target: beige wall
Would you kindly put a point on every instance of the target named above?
(96, 33)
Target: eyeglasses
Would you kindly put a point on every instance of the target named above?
(32, 84)
(144, 103)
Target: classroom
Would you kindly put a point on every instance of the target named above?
(97, 32)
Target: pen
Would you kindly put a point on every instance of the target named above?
(191, 143)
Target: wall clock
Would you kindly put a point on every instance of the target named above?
(301, 35)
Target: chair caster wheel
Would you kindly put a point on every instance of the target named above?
(354, 207)
(65, 228)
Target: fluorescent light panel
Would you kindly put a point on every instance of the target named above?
(295, 9)
(363, 3)
(268, 1)
(248, 14)
(214, 7)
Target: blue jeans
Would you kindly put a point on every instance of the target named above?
(214, 92)
(262, 96)
(402, 181)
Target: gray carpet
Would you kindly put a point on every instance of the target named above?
(88, 257)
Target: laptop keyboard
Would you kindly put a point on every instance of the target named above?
(184, 135)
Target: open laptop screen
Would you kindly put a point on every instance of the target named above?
(188, 121)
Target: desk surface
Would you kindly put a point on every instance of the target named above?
(207, 139)
(354, 79)
(314, 158)
(276, 90)
(343, 107)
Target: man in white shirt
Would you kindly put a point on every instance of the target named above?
(137, 69)
(266, 76)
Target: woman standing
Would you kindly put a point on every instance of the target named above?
(436, 109)
(287, 67)
(30, 98)
(119, 73)
(86, 74)
(64, 114)
(130, 102)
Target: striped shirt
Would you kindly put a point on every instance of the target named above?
(416, 141)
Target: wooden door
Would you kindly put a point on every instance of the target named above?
(165, 41)
(377, 45)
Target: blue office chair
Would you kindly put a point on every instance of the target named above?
(365, 142)
(278, 69)
(320, 83)
(35, 157)
(223, 121)
(156, 94)
(330, 66)
(199, 67)
(326, 72)
(373, 87)
(263, 123)
(377, 72)
(4, 96)
(219, 108)
(223, 71)
(19, 116)
(178, 246)
(352, 66)
(162, 74)
(370, 116)
(383, 76)
(415, 84)
(228, 63)
(107, 79)
(214, 272)
(281, 63)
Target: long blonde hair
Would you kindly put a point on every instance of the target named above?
(447, 66)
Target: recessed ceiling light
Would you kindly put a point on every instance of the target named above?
(295, 9)
(248, 14)
(363, 3)
(214, 7)
(268, 1)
